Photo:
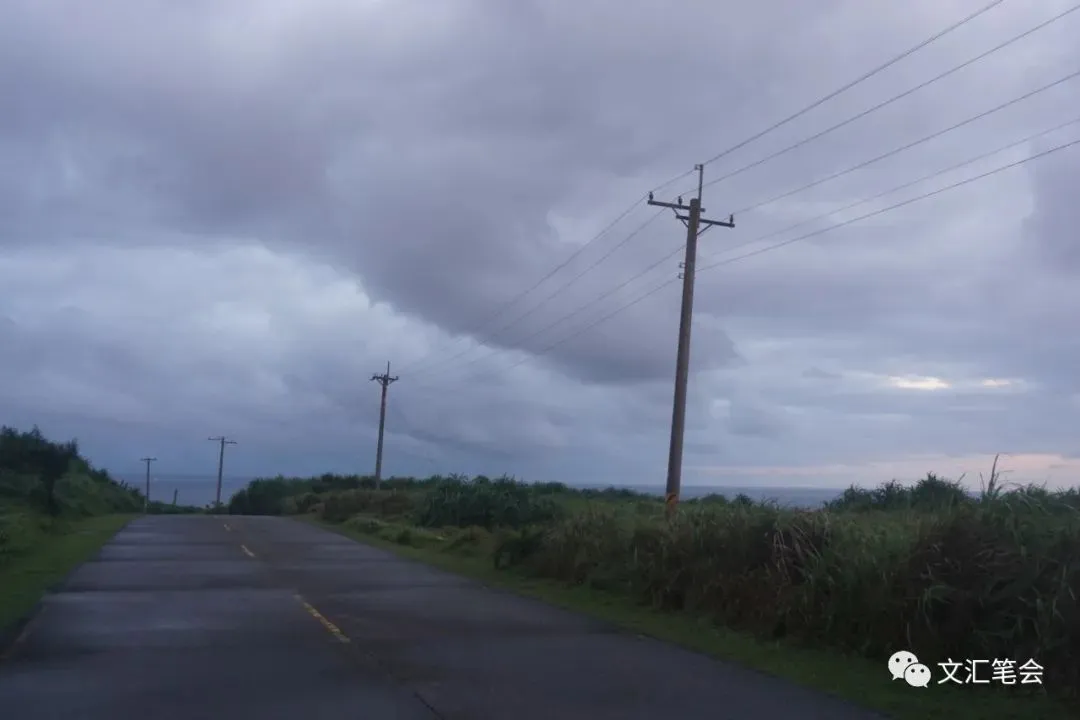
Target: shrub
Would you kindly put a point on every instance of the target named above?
(456, 502)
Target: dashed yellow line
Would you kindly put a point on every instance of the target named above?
(246, 551)
(334, 630)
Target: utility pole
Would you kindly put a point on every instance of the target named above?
(175, 492)
(694, 229)
(146, 500)
(220, 464)
(384, 380)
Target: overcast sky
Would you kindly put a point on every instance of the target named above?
(224, 217)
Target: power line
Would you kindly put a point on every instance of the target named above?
(574, 313)
(914, 143)
(897, 188)
(423, 361)
(688, 173)
(513, 301)
(634, 233)
(955, 185)
(889, 101)
(677, 250)
(622, 308)
(865, 76)
(548, 348)
(674, 252)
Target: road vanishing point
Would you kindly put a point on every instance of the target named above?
(190, 617)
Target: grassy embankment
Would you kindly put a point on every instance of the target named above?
(822, 597)
(56, 510)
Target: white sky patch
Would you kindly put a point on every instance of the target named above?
(915, 382)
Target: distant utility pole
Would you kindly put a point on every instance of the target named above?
(220, 464)
(146, 500)
(384, 380)
(694, 222)
(175, 492)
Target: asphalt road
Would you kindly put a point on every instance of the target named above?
(232, 617)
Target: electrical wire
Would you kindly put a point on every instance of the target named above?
(488, 319)
(844, 88)
(558, 290)
(891, 100)
(817, 103)
(560, 320)
(822, 100)
(897, 188)
(910, 201)
(622, 308)
(648, 269)
(908, 146)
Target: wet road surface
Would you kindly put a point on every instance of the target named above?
(257, 617)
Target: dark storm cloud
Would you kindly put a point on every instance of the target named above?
(438, 160)
(429, 169)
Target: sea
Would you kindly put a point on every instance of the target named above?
(201, 490)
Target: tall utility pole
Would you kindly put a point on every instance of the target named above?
(146, 500)
(220, 464)
(694, 222)
(384, 380)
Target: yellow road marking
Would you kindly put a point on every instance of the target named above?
(246, 551)
(227, 526)
(334, 630)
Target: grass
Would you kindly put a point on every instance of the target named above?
(51, 556)
(860, 680)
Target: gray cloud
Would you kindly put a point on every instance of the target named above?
(225, 218)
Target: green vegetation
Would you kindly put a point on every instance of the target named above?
(50, 551)
(823, 597)
(56, 509)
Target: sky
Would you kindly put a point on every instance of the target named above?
(224, 218)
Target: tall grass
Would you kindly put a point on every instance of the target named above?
(990, 577)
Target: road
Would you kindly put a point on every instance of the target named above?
(257, 617)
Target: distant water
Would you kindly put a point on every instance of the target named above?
(200, 490)
(190, 490)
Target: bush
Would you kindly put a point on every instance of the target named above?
(457, 502)
(386, 503)
(996, 578)
(54, 478)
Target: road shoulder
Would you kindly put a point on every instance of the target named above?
(27, 578)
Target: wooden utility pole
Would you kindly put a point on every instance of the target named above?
(384, 380)
(694, 228)
(220, 465)
(146, 500)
